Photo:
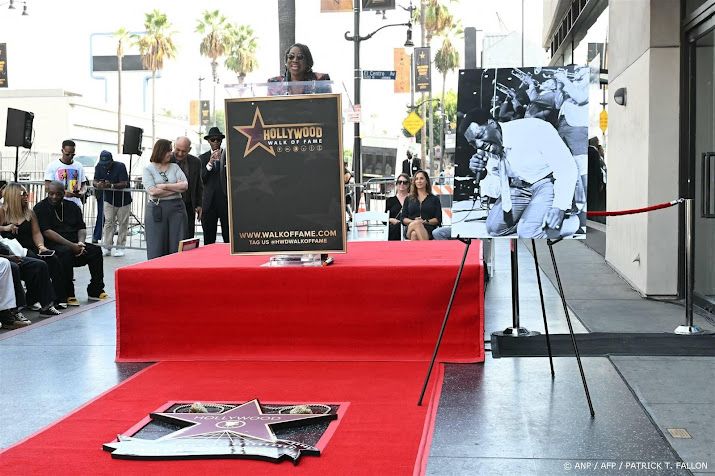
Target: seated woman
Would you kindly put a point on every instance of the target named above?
(298, 67)
(422, 211)
(44, 276)
(166, 219)
(394, 204)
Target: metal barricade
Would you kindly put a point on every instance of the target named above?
(135, 232)
(375, 192)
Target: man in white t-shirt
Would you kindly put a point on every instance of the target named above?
(68, 172)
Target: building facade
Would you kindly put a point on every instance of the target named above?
(661, 141)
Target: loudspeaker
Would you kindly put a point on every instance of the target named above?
(132, 140)
(18, 132)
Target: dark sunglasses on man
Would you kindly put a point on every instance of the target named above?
(215, 139)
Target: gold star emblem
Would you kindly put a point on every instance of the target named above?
(254, 133)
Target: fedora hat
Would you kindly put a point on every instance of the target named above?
(214, 132)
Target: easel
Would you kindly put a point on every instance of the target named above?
(516, 330)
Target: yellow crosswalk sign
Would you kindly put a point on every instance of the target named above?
(413, 123)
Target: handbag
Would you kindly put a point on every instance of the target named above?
(14, 246)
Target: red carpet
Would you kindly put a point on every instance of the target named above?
(380, 301)
(383, 430)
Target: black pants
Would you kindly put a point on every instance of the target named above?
(57, 276)
(209, 220)
(36, 274)
(191, 223)
(92, 257)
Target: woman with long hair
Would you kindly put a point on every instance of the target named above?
(165, 213)
(422, 211)
(394, 204)
(45, 278)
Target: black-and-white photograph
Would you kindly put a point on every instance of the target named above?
(521, 153)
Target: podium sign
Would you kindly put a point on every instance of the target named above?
(285, 174)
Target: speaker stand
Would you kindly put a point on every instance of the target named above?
(17, 160)
(131, 156)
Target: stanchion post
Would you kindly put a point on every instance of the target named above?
(515, 330)
(689, 328)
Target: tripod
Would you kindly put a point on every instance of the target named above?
(516, 330)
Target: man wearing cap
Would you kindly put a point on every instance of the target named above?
(191, 166)
(110, 177)
(213, 176)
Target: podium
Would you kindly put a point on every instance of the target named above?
(285, 169)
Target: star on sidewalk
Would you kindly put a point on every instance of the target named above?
(246, 420)
(254, 133)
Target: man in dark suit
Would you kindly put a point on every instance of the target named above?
(411, 165)
(193, 196)
(215, 200)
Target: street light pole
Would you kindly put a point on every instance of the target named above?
(357, 140)
(356, 39)
(198, 144)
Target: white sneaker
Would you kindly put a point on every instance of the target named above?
(36, 307)
(105, 251)
(116, 252)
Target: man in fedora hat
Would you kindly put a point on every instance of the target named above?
(213, 176)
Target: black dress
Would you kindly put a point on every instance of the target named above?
(394, 208)
(429, 208)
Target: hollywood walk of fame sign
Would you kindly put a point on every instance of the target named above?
(423, 69)
(241, 431)
(285, 174)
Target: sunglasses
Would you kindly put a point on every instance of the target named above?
(23, 193)
(298, 57)
(215, 139)
(163, 175)
(402, 182)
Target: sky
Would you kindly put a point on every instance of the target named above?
(50, 48)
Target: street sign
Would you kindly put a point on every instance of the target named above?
(413, 123)
(353, 115)
(603, 121)
(205, 112)
(368, 74)
(423, 70)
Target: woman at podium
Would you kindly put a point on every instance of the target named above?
(298, 68)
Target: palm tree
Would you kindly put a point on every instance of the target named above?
(286, 29)
(155, 46)
(122, 36)
(434, 18)
(437, 19)
(445, 60)
(241, 57)
(214, 44)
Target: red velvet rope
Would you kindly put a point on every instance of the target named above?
(634, 210)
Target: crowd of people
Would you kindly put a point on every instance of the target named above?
(41, 246)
